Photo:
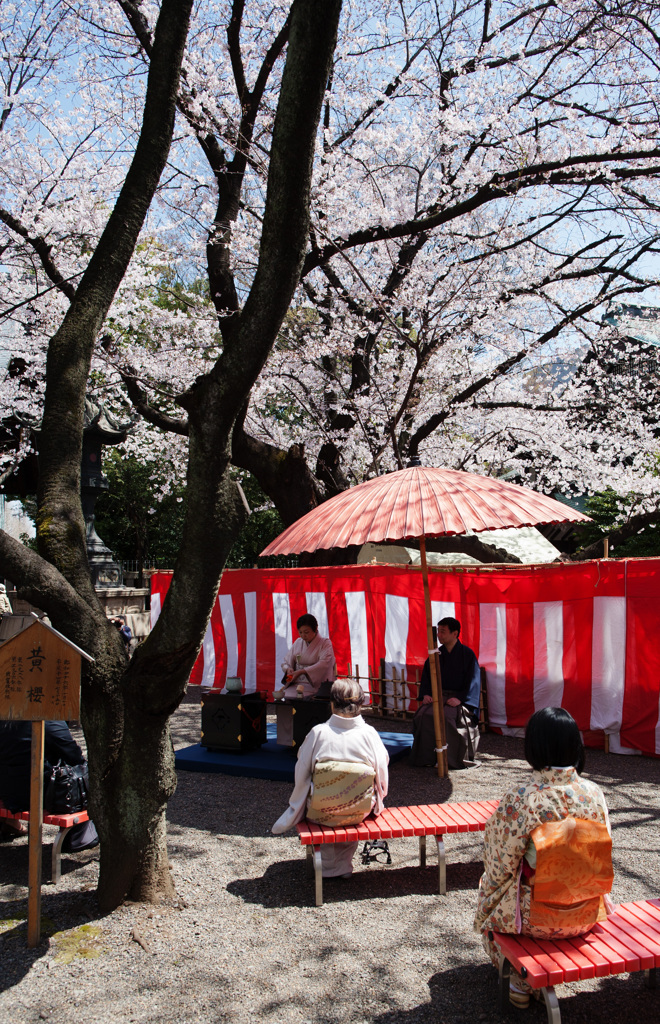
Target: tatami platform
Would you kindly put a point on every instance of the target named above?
(270, 761)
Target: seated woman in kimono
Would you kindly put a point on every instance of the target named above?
(309, 663)
(547, 848)
(341, 776)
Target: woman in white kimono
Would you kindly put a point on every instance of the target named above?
(345, 737)
(516, 838)
(310, 662)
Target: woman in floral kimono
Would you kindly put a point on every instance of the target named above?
(309, 663)
(519, 851)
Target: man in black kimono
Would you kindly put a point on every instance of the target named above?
(461, 686)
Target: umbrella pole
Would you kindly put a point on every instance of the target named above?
(434, 668)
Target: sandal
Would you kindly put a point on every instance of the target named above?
(518, 999)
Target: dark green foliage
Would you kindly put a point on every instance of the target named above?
(130, 518)
(605, 509)
(262, 526)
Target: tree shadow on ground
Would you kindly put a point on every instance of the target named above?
(60, 911)
(467, 994)
(14, 862)
(286, 884)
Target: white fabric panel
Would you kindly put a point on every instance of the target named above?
(617, 748)
(356, 610)
(208, 649)
(316, 606)
(548, 651)
(492, 657)
(442, 610)
(396, 639)
(155, 609)
(608, 663)
(231, 636)
(283, 636)
(250, 641)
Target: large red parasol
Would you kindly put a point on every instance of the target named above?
(417, 503)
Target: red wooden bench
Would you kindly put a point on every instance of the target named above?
(395, 822)
(64, 822)
(628, 940)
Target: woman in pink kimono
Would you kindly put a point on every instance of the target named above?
(309, 662)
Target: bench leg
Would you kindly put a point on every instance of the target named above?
(318, 872)
(551, 1005)
(309, 861)
(422, 851)
(503, 985)
(652, 977)
(442, 867)
(56, 859)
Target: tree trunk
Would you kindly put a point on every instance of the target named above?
(138, 778)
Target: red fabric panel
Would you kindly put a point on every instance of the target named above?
(519, 664)
(642, 693)
(516, 587)
(578, 629)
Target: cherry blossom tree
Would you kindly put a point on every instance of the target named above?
(126, 707)
(310, 306)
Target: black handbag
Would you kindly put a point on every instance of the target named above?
(65, 788)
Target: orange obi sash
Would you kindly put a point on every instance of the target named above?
(573, 873)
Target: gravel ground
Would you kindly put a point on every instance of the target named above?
(244, 941)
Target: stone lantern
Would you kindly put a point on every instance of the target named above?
(100, 427)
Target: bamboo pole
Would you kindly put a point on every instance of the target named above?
(436, 678)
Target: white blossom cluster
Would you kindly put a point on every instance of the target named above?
(486, 182)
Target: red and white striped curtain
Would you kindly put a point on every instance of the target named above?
(585, 636)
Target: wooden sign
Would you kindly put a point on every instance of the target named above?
(39, 676)
(39, 682)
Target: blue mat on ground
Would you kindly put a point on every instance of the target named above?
(270, 761)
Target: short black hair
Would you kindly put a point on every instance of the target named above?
(307, 620)
(453, 625)
(552, 738)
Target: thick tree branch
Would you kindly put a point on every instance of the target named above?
(42, 584)
(501, 185)
(43, 251)
(60, 526)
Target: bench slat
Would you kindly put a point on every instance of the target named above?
(59, 820)
(453, 816)
(371, 830)
(543, 951)
(613, 957)
(472, 814)
(436, 820)
(647, 934)
(488, 808)
(651, 907)
(639, 916)
(408, 813)
(612, 931)
(586, 968)
(447, 823)
(601, 964)
(465, 822)
(391, 820)
(561, 957)
(522, 961)
(383, 826)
